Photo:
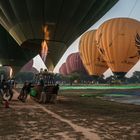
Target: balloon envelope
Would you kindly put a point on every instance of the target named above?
(63, 69)
(116, 41)
(27, 67)
(75, 64)
(90, 55)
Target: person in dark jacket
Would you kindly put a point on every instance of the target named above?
(25, 91)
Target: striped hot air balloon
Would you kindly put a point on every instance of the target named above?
(90, 55)
(118, 42)
(75, 64)
(63, 69)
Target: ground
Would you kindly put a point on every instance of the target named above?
(73, 117)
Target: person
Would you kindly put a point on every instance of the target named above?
(25, 91)
(43, 95)
(10, 83)
(5, 89)
(41, 82)
(21, 95)
(56, 89)
(6, 98)
(54, 94)
(1, 93)
(3, 86)
(1, 98)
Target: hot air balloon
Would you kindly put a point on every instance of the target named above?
(90, 55)
(27, 67)
(68, 64)
(75, 64)
(117, 41)
(6, 72)
(63, 69)
(63, 22)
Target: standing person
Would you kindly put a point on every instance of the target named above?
(43, 95)
(27, 91)
(10, 83)
(22, 92)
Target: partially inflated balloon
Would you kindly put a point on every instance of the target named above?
(27, 67)
(75, 64)
(117, 40)
(90, 55)
(63, 69)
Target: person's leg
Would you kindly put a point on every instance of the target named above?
(53, 98)
(41, 98)
(11, 94)
(20, 95)
(25, 96)
(44, 97)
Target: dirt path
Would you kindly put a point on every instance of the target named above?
(85, 131)
(33, 121)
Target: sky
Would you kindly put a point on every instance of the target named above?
(38, 63)
(123, 8)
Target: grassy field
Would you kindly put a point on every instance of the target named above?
(101, 87)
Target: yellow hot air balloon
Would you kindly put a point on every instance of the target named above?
(90, 55)
(118, 41)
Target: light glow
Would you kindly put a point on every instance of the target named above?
(44, 50)
(44, 46)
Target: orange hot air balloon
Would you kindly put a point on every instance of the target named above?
(118, 42)
(90, 55)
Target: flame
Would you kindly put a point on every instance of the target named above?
(46, 32)
(44, 50)
(44, 46)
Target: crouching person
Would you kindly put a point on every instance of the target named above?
(6, 98)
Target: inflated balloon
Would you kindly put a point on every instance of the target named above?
(75, 64)
(90, 55)
(63, 69)
(68, 64)
(28, 66)
(117, 40)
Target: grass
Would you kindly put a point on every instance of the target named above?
(100, 87)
